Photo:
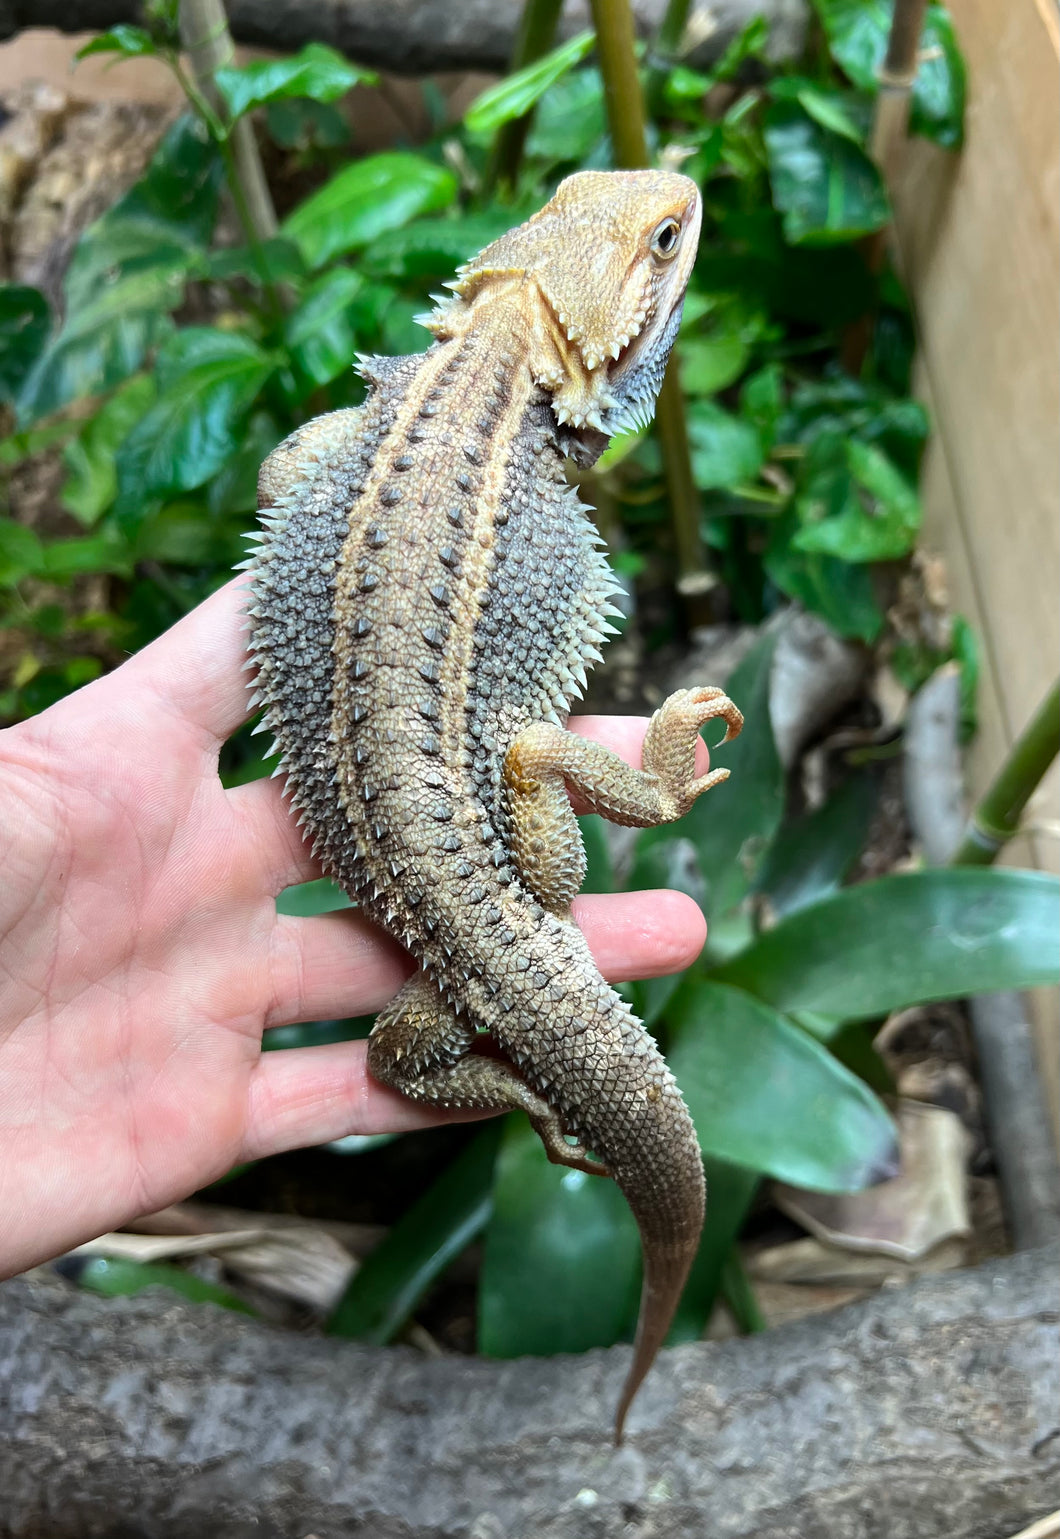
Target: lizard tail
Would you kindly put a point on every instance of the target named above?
(666, 1269)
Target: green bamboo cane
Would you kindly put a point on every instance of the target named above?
(537, 31)
(613, 21)
(997, 816)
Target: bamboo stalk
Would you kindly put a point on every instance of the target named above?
(537, 31)
(613, 21)
(997, 816)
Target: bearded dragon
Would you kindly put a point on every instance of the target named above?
(427, 597)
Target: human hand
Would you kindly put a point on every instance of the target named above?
(142, 958)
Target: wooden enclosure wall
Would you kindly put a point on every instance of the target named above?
(979, 244)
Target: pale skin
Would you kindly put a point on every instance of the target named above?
(142, 958)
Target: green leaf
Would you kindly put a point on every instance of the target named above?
(834, 110)
(732, 825)
(91, 483)
(207, 380)
(709, 364)
(730, 1192)
(561, 1264)
(21, 553)
(906, 940)
(364, 200)
(280, 259)
(316, 71)
(854, 504)
(810, 856)
(94, 553)
(570, 122)
(857, 33)
(663, 859)
(762, 400)
(514, 96)
(433, 248)
(826, 188)
(128, 42)
(300, 124)
(726, 450)
(25, 321)
(440, 1224)
(843, 595)
(766, 1096)
(321, 333)
(115, 1277)
(310, 898)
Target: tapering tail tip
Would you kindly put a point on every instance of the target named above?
(665, 1274)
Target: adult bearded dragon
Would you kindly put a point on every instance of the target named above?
(427, 597)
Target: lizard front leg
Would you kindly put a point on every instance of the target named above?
(420, 1046)
(545, 760)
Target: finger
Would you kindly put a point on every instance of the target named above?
(195, 671)
(280, 857)
(310, 1095)
(337, 965)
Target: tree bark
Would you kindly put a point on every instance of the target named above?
(926, 1412)
(414, 36)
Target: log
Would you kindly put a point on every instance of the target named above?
(416, 36)
(924, 1412)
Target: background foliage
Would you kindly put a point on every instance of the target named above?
(178, 362)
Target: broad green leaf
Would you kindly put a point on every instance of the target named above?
(730, 1192)
(304, 125)
(440, 1224)
(92, 553)
(761, 402)
(21, 553)
(843, 595)
(514, 96)
(207, 380)
(179, 533)
(91, 483)
(739, 1295)
(127, 42)
(826, 188)
(726, 450)
(234, 489)
(570, 122)
(25, 321)
(857, 33)
(561, 1264)
(321, 1034)
(104, 341)
(751, 43)
(709, 364)
(321, 333)
(280, 260)
(366, 199)
(859, 507)
(834, 110)
(810, 856)
(115, 1276)
(906, 940)
(316, 71)
(434, 248)
(766, 1096)
(732, 825)
(320, 897)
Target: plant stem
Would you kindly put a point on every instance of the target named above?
(208, 43)
(537, 31)
(613, 21)
(997, 816)
(666, 48)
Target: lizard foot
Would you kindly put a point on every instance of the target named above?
(670, 745)
(549, 1129)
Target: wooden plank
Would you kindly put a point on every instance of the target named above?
(979, 244)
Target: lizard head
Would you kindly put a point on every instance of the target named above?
(608, 259)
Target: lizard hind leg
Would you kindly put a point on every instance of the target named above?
(421, 1047)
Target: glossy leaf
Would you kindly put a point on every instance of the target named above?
(842, 594)
(766, 1096)
(854, 504)
(25, 321)
(320, 897)
(561, 1265)
(105, 552)
(115, 1277)
(450, 1214)
(570, 122)
(316, 71)
(811, 855)
(21, 552)
(91, 483)
(732, 825)
(514, 96)
(278, 258)
(726, 450)
(908, 939)
(857, 33)
(128, 42)
(321, 334)
(207, 380)
(433, 249)
(825, 187)
(364, 200)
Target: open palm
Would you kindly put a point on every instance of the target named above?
(142, 958)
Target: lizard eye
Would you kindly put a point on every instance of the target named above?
(665, 240)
